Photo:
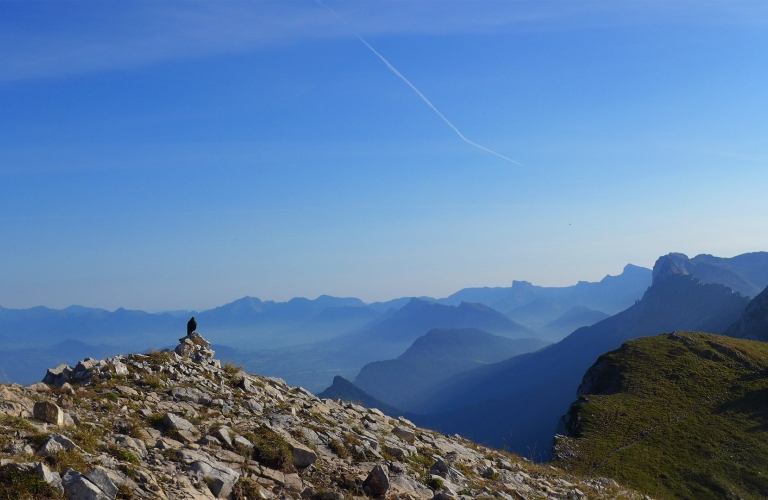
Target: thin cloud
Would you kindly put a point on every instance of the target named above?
(43, 40)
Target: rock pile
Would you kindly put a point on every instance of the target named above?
(196, 348)
(177, 425)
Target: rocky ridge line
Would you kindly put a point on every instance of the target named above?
(177, 425)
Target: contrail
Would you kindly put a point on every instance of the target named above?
(423, 97)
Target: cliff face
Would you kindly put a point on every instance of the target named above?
(177, 425)
(753, 323)
(708, 269)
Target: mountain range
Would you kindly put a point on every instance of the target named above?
(314, 365)
(486, 403)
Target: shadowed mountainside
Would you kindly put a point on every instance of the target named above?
(251, 323)
(573, 319)
(345, 390)
(753, 322)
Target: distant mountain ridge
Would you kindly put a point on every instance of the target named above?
(20, 328)
(435, 356)
(609, 295)
(314, 365)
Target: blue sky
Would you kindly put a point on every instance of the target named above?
(181, 155)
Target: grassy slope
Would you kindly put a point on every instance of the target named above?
(680, 415)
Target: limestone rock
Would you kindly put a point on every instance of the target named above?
(377, 481)
(49, 476)
(40, 387)
(196, 348)
(58, 376)
(55, 444)
(439, 468)
(240, 441)
(406, 486)
(78, 487)
(191, 394)
(222, 434)
(176, 422)
(406, 435)
(127, 391)
(219, 478)
(302, 456)
(120, 368)
(48, 412)
(100, 477)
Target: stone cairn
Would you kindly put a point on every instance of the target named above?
(196, 348)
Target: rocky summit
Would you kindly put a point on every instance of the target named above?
(178, 425)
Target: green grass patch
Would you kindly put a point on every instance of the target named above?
(271, 449)
(435, 483)
(157, 358)
(675, 416)
(19, 485)
(60, 460)
(338, 448)
(124, 455)
(246, 489)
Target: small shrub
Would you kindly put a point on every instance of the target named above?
(153, 381)
(435, 483)
(271, 449)
(156, 420)
(124, 493)
(421, 462)
(124, 455)
(86, 437)
(158, 357)
(231, 369)
(60, 460)
(338, 448)
(246, 489)
(351, 440)
(170, 454)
